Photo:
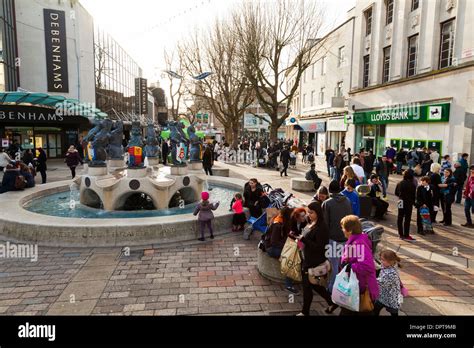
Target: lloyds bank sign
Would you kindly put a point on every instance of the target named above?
(412, 113)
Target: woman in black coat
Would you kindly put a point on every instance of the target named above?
(315, 238)
(253, 191)
(41, 166)
(208, 160)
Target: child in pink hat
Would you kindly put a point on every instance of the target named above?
(205, 217)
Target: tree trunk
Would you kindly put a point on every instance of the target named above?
(273, 132)
(228, 135)
(235, 136)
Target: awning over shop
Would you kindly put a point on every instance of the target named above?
(69, 106)
(312, 126)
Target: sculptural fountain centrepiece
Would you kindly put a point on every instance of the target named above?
(124, 197)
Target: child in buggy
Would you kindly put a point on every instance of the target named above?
(374, 232)
(273, 198)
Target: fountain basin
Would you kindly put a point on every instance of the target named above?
(20, 225)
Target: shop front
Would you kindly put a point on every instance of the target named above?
(418, 125)
(336, 132)
(32, 125)
(313, 132)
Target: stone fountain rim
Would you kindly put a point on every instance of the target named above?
(13, 209)
(22, 226)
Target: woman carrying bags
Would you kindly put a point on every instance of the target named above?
(358, 257)
(314, 238)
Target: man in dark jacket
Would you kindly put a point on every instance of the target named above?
(383, 171)
(369, 164)
(285, 160)
(311, 175)
(41, 165)
(406, 192)
(334, 209)
(380, 205)
(164, 151)
(329, 160)
(460, 176)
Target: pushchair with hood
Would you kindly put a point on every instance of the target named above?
(275, 199)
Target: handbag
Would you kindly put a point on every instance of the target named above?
(366, 304)
(290, 260)
(320, 275)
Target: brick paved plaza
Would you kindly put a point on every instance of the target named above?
(220, 276)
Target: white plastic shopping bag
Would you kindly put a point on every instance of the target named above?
(345, 292)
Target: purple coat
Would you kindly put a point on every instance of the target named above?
(205, 211)
(358, 252)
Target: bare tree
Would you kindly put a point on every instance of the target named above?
(176, 90)
(278, 39)
(226, 92)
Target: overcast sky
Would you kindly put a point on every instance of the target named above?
(144, 28)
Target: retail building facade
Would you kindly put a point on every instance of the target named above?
(413, 78)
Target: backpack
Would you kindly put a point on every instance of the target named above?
(20, 182)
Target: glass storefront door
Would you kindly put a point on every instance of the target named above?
(50, 139)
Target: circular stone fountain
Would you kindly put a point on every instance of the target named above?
(87, 212)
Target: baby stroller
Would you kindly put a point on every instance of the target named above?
(292, 160)
(374, 232)
(310, 158)
(275, 199)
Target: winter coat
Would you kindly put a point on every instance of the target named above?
(353, 197)
(208, 158)
(8, 181)
(275, 236)
(237, 207)
(285, 157)
(435, 180)
(382, 169)
(297, 229)
(73, 159)
(28, 158)
(469, 189)
(424, 196)
(42, 161)
(30, 180)
(369, 164)
(365, 268)
(315, 239)
(4, 159)
(334, 209)
(389, 285)
(406, 191)
(204, 209)
(460, 176)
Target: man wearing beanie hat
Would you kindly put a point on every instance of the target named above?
(334, 209)
(204, 209)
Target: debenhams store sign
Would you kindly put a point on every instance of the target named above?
(37, 115)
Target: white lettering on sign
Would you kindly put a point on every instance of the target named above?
(399, 116)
